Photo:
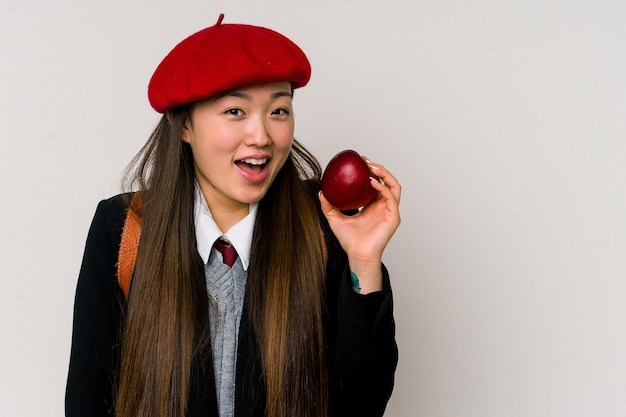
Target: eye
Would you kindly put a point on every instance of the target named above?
(234, 112)
(280, 112)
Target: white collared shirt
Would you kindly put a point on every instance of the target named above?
(207, 231)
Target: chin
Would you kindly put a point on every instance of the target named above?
(253, 197)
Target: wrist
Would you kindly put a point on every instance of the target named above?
(366, 276)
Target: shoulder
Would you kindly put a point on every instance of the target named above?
(109, 217)
(114, 205)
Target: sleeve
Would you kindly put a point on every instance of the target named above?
(97, 318)
(362, 344)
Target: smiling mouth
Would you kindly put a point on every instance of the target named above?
(252, 164)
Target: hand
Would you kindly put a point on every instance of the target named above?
(365, 235)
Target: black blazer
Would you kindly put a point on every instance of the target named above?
(361, 337)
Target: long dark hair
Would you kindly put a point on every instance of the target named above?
(166, 315)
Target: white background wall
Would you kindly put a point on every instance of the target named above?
(504, 120)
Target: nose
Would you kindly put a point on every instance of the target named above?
(258, 133)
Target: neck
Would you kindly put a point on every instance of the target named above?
(225, 212)
(227, 217)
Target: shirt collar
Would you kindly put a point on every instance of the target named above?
(207, 231)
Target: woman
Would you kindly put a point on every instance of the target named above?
(298, 322)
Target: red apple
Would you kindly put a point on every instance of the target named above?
(346, 181)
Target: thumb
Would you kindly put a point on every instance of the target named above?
(327, 208)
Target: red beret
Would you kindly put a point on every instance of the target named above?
(223, 57)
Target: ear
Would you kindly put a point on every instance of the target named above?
(185, 129)
(184, 134)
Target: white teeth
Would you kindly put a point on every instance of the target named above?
(253, 161)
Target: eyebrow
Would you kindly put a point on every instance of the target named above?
(245, 96)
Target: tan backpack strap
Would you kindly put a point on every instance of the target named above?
(129, 244)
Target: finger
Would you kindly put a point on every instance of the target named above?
(380, 171)
(391, 200)
(327, 208)
(387, 178)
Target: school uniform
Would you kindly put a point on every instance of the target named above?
(362, 352)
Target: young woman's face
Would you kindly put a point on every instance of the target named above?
(240, 141)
